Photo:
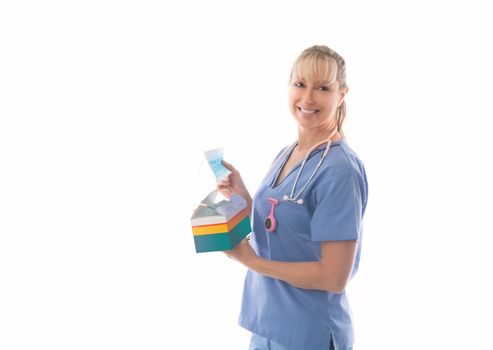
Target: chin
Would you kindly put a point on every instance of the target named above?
(308, 120)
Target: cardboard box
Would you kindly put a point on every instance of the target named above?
(220, 224)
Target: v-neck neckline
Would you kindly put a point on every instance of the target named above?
(281, 167)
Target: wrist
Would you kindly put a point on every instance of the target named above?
(253, 262)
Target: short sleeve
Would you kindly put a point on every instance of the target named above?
(339, 208)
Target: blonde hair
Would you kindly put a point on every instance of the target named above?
(317, 62)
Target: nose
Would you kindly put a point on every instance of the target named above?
(308, 96)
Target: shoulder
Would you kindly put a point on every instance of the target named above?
(282, 152)
(342, 176)
(342, 160)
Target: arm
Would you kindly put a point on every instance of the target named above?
(330, 274)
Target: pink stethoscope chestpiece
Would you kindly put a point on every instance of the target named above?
(270, 220)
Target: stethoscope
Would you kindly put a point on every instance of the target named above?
(270, 222)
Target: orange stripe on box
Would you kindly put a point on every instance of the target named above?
(220, 228)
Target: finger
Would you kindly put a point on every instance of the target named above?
(223, 187)
(224, 182)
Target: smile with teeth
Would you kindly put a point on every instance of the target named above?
(307, 111)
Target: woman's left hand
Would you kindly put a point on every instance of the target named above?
(242, 253)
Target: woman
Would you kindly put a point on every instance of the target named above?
(307, 220)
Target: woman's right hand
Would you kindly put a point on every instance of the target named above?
(233, 183)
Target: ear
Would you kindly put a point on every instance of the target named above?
(343, 93)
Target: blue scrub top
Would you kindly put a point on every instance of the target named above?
(333, 209)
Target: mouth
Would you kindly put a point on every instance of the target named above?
(307, 111)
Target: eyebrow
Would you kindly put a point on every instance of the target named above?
(322, 82)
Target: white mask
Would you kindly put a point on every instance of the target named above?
(215, 158)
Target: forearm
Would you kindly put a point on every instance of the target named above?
(306, 275)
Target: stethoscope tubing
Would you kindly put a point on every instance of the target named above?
(294, 198)
(270, 221)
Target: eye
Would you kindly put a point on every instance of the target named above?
(324, 88)
(298, 84)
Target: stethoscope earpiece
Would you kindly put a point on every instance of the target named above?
(286, 198)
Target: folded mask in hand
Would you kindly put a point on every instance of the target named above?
(215, 160)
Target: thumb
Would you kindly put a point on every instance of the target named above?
(229, 166)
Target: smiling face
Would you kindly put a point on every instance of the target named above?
(315, 93)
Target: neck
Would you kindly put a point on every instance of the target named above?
(307, 138)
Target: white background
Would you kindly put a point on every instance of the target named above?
(107, 106)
